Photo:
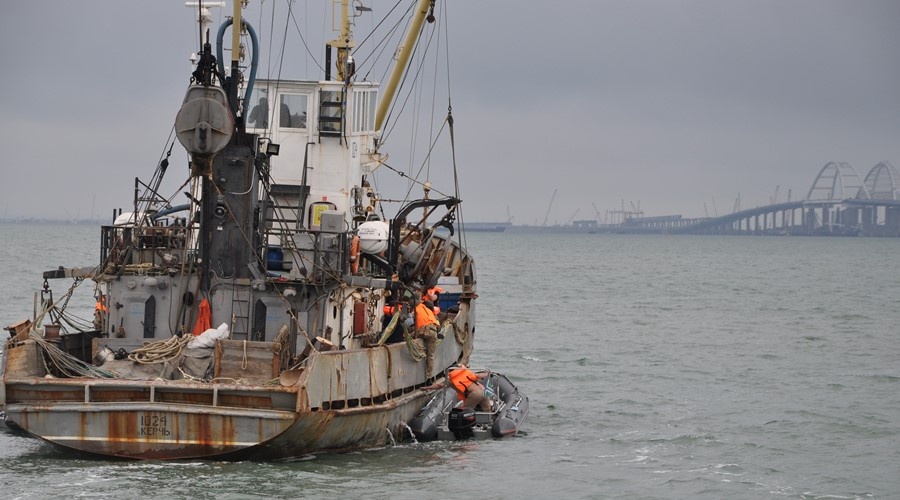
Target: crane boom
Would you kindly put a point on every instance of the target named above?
(547, 215)
(403, 54)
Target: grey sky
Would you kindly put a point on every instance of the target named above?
(675, 104)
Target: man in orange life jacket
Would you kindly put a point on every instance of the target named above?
(427, 328)
(468, 387)
(100, 314)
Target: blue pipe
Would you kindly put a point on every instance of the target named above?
(171, 210)
(254, 58)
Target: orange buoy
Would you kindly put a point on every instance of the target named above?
(354, 255)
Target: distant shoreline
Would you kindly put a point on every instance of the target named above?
(39, 220)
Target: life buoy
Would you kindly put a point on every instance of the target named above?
(354, 255)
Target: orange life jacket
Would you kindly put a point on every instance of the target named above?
(461, 379)
(425, 316)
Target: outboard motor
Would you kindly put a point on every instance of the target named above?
(461, 422)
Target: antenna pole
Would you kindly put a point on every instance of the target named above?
(344, 43)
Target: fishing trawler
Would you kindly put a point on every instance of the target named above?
(269, 314)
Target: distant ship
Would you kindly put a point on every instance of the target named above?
(486, 227)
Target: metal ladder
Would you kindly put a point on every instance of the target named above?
(283, 215)
(240, 315)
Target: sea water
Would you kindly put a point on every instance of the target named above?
(656, 367)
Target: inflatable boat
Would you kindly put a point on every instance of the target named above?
(445, 418)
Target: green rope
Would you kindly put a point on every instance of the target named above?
(416, 350)
(389, 329)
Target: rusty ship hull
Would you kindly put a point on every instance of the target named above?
(312, 410)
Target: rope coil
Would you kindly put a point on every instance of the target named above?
(159, 351)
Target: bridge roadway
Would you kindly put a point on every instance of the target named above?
(839, 203)
(846, 218)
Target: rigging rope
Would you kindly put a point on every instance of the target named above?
(406, 74)
(64, 363)
(160, 350)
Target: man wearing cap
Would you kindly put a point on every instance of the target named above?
(427, 328)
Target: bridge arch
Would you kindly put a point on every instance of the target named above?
(883, 182)
(837, 181)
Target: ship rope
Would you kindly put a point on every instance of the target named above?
(438, 38)
(159, 351)
(459, 333)
(461, 235)
(437, 33)
(379, 49)
(62, 362)
(389, 329)
(414, 78)
(149, 198)
(415, 347)
(57, 311)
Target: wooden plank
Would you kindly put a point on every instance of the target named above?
(244, 360)
(18, 331)
(24, 360)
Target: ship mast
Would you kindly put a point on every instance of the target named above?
(235, 57)
(343, 44)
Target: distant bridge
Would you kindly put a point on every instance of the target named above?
(839, 202)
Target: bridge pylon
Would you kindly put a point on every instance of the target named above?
(836, 181)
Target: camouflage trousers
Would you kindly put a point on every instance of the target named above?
(429, 335)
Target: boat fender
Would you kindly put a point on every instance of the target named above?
(425, 425)
(354, 255)
(424, 428)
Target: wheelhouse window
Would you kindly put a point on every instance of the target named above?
(259, 110)
(364, 110)
(292, 113)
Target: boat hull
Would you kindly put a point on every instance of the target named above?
(340, 430)
(340, 400)
(172, 432)
(180, 432)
